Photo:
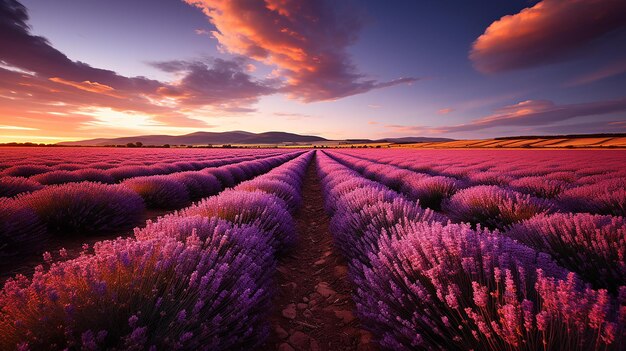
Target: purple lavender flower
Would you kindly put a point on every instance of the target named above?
(593, 246)
(25, 170)
(84, 208)
(606, 197)
(11, 186)
(21, 229)
(449, 287)
(267, 212)
(199, 185)
(163, 192)
(493, 207)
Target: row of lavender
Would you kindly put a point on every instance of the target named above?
(90, 208)
(27, 178)
(592, 245)
(199, 279)
(580, 181)
(11, 159)
(425, 283)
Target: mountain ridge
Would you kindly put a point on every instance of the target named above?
(230, 137)
(202, 138)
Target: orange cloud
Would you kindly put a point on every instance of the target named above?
(93, 87)
(445, 111)
(547, 32)
(306, 40)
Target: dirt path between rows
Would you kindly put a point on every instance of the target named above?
(313, 309)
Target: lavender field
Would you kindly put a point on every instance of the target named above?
(340, 249)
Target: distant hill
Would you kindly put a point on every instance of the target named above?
(204, 138)
(407, 140)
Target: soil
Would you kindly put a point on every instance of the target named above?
(313, 308)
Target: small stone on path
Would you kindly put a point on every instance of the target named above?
(345, 315)
(300, 340)
(285, 347)
(281, 332)
(324, 289)
(290, 311)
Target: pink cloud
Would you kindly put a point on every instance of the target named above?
(547, 32)
(306, 40)
(445, 111)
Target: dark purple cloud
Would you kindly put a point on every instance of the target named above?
(540, 115)
(306, 40)
(219, 82)
(35, 54)
(586, 127)
(547, 32)
(537, 113)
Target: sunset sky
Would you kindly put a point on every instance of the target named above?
(80, 69)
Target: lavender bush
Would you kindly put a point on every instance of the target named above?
(134, 295)
(431, 191)
(84, 208)
(606, 197)
(56, 177)
(449, 287)
(199, 185)
(11, 186)
(163, 192)
(356, 232)
(539, 186)
(21, 230)
(592, 245)
(493, 207)
(25, 170)
(95, 175)
(263, 210)
(278, 188)
(223, 175)
(125, 172)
